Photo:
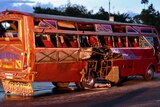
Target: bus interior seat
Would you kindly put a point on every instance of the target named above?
(135, 43)
(109, 43)
(73, 44)
(119, 43)
(73, 41)
(48, 43)
(92, 40)
(62, 43)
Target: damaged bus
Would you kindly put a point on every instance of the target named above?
(61, 50)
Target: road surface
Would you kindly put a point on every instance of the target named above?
(135, 92)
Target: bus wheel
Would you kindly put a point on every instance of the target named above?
(149, 74)
(87, 83)
(80, 86)
(60, 84)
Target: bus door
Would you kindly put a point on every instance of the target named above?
(144, 56)
(155, 43)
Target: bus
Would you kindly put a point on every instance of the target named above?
(61, 49)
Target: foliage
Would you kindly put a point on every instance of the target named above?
(144, 1)
(149, 16)
(81, 11)
(54, 11)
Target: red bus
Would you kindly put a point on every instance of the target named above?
(62, 49)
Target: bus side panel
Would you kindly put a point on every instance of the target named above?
(137, 62)
(125, 67)
(144, 60)
(59, 72)
(141, 66)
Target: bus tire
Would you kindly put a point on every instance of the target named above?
(60, 84)
(149, 74)
(80, 86)
(87, 83)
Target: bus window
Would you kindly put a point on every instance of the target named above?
(118, 42)
(154, 42)
(61, 41)
(133, 41)
(38, 41)
(123, 41)
(46, 41)
(102, 40)
(150, 40)
(73, 41)
(108, 41)
(53, 40)
(2, 31)
(9, 29)
(143, 43)
(84, 41)
(93, 41)
(68, 41)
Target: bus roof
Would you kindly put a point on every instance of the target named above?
(82, 20)
(71, 19)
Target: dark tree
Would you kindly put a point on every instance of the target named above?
(149, 16)
(81, 11)
(144, 1)
(77, 11)
(101, 14)
(55, 11)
